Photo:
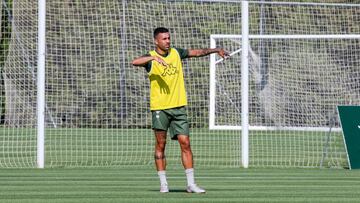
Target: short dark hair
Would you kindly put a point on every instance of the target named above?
(160, 30)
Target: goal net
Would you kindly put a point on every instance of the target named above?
(297, 76)
(97, 104)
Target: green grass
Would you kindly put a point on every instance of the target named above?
(141, 184)
(77, 147)
(127, 174)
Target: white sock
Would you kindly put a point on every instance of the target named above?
(162, 176)
(190, 176)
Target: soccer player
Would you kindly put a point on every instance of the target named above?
(168, 101)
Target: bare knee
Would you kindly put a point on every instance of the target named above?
(160, 150)
(160, 146)
(184, 142)
(160, 141)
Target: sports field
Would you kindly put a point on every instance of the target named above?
(127, 174)
(120, 147)
(140, 184)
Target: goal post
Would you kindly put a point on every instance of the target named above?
(41, 84)
(245, 83)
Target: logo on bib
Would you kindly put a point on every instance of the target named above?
(169, 70)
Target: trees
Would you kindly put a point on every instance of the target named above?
(89, 79)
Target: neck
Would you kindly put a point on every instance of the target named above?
(161, 52)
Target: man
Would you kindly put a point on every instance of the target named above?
(168, 101)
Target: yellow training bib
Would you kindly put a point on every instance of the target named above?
(167, 88)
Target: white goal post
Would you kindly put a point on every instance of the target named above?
(41, 84)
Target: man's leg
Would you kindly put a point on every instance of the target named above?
(186, 153)
(160, 161)
(187, 160)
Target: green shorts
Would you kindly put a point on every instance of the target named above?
(175, 120)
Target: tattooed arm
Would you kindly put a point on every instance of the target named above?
(142, 60)
(205, 52)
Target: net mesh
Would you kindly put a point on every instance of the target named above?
(97, 107)
(303, 80)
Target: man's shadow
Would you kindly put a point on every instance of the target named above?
(173, 191)
(164, 88)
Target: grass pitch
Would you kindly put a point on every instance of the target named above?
(141, 184)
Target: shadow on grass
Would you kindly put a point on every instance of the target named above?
(172, 191)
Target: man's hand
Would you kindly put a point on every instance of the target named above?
(160, 60)
(223, 53)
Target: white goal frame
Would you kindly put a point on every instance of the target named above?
(245, 90)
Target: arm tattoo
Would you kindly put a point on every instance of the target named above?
(204, 52)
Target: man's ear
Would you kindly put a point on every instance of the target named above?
(155, 42)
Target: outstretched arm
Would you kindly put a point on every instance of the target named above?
(205, 52)
(142, 60)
